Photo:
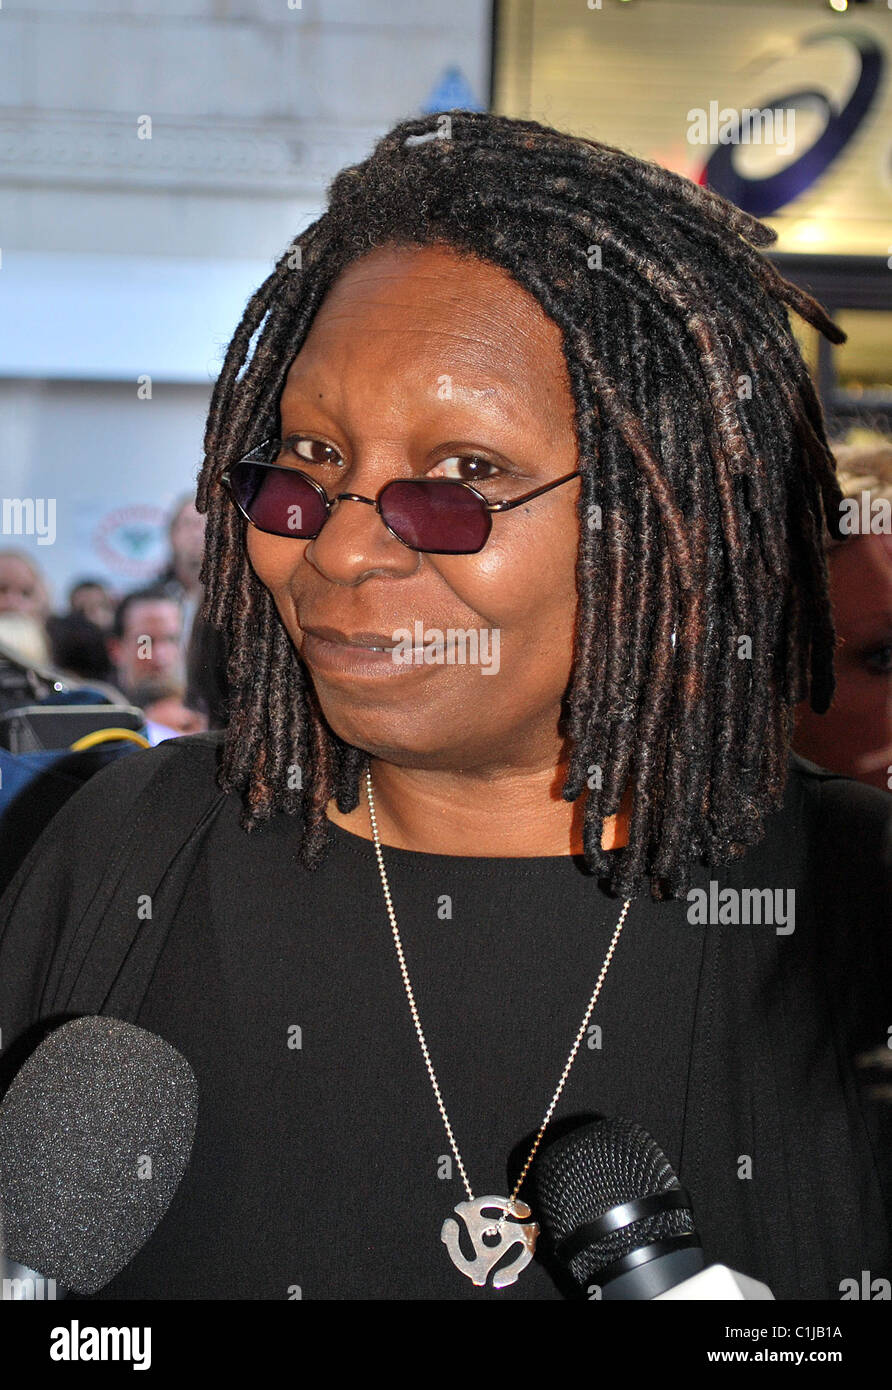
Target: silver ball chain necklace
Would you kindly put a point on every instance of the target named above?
(490, 1238)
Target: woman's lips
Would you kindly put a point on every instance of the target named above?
(337, 658)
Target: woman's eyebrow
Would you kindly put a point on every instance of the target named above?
(492, 401)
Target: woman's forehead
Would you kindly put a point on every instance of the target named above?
(432, 286)
(431, 304)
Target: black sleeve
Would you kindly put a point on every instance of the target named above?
(53, 890)
(853, 874)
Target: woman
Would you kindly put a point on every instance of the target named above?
(598, 474)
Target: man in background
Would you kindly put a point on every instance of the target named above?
(146, 639)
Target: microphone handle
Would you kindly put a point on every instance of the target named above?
(647, 1277)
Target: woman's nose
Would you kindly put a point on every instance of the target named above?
(354, 543)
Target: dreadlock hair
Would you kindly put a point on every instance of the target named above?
(703, 615)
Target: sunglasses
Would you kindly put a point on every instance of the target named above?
(440, 516)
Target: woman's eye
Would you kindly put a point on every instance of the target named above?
(467, 468)
(312, 450)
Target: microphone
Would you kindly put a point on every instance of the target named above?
(96, 1132)
(617, 1218)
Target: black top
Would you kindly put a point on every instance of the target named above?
(321, 1162)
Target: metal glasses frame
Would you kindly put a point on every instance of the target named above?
(375, 502)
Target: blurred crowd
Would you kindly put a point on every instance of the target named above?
(146, 647)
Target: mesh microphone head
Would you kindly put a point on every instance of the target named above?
(95, 1134)
(592, 1169)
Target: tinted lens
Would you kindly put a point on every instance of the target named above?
(436, 515)
(278, 500)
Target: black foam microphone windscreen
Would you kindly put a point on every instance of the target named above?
(96, 1131)
(594, 1169)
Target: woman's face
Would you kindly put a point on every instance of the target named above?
(421, 363)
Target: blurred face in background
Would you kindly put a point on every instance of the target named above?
(187, 544)
(854, 737)
(135, 657)
(173, 714)
(21, 590)
(94, 602)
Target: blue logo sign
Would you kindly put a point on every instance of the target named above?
(761, 197)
